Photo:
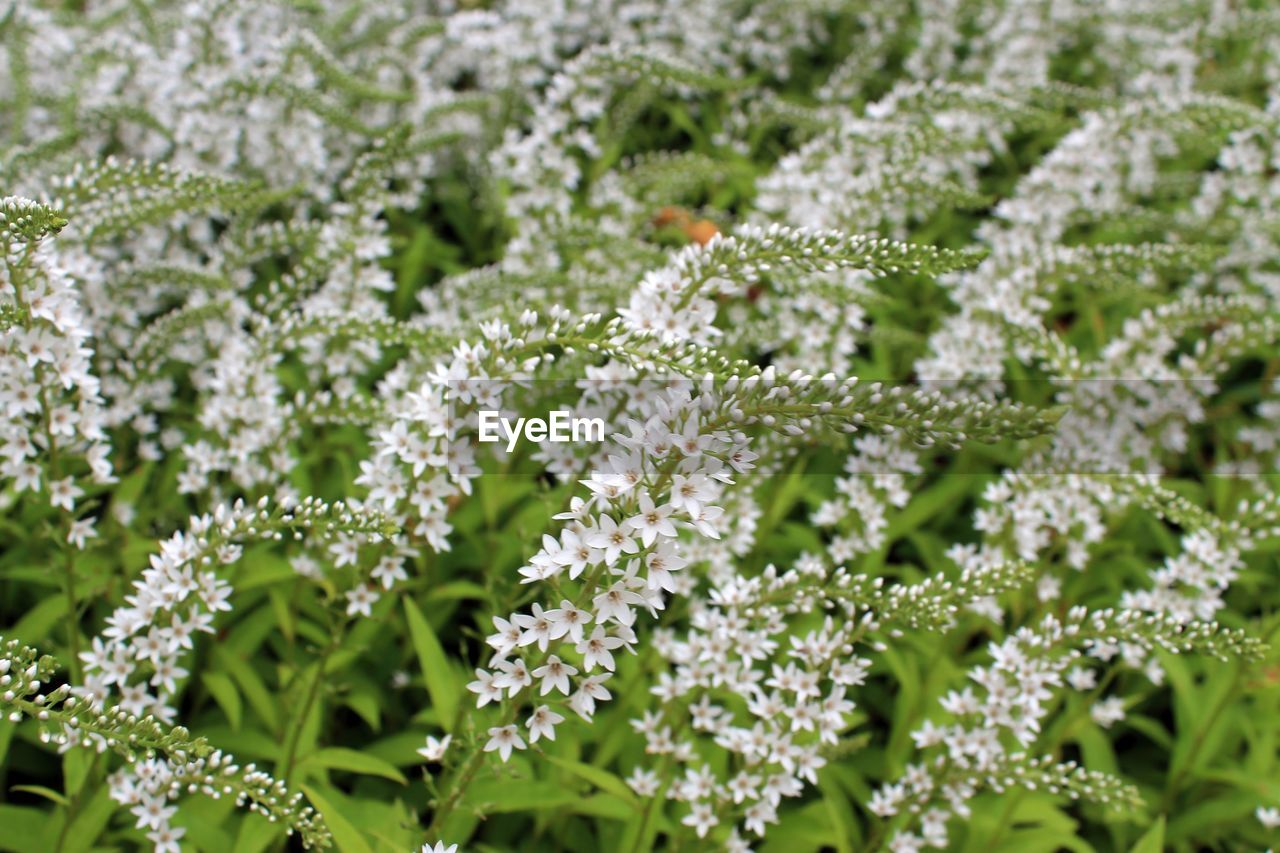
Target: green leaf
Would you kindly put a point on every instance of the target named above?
(1208, 814)
(257, 834)
(367, 706)
(90, 821)
(42, 791)
(251, 685)
(261, 567)
(840, 812)
(75, 770)
(224, 692)
(399, 749)
(38, 622)
(458, 589)
(602, 779)
(6, 735)
(603, 805)
(442, 683)
(345, 835)
(340, 758)
(22, 828)
(203, 833)
(1046, 840)
(283, 608)
(1152, 841)
(250, 742)
(518, 795)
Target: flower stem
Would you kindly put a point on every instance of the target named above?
(294, 735)
(73, 619)
(465, 776)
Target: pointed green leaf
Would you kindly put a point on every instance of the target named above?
(1152, 841)
(602, 779)
(340, 758)
(347, 838)
(224, 692)
(440, 679)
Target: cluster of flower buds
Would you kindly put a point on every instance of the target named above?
(162, 762)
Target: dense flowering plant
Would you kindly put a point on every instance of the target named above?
(927, 357)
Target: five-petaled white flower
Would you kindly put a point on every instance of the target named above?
(555, 675)
(652, 521)
(504, 739)
(542, 723)
(435, 749)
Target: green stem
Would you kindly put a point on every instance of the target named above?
(466, 775)
(1175, 781)
(69, 573)
(664, 772)
(73, 619)
(294, 735)
(73, 806)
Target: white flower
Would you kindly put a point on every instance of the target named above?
(1082, 678)
(661, 562)
(346, 551)
(555, 674)
(885, 801)
(514, 676)
(153, 813)
(435, 749)
(507, 637)
(612, 538)
(1268, 817)
(705, 521)
(166, 838)
(542, 723)
(439, 847)
(537, 628)
(689, 440)
(360, 600)
(701, 817)
(644, 782)
(575, 554)
(652, 521)
(688, 493)
(1108, 712)
(568, 620)
(167, 675)
(504, 739)
(485, 688)
(615, 603)
(589, 690)
(743, 787)
(63, 493)
(1048, 588)
(597, 650)
(905, 842)
(389, 570)
(80, 531)
(577, 510)
(758, 815)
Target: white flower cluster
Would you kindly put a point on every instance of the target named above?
(1011, 703)
(180, 593)
(51, 396)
